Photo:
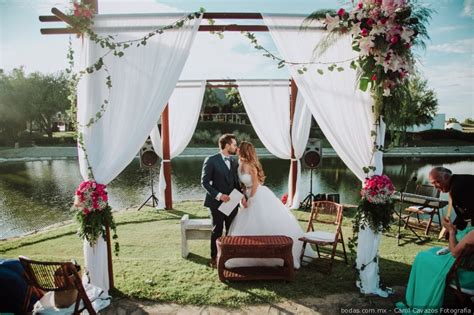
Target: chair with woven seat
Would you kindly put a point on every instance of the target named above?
(328, 213)
(464, 262)
(59, 277)
(429, 191)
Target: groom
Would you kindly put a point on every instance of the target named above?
(219, 178)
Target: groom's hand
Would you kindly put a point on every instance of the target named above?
(225, 198)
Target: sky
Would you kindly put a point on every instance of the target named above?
(447, 62)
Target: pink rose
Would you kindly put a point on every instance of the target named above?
(374, 77)
(85, 211)
(364, 32)
(341, 12)
(370, 22)
(360, 5)
(394, 39)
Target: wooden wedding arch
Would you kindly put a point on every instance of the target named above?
(59, 16)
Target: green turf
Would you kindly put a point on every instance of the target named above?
(150, 265)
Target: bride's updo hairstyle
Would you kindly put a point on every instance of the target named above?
(248, 155)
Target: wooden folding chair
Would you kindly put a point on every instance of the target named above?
(325, 212)
(429, 191)
(464, 262)
(43, 277)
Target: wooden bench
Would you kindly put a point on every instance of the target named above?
(194, 229)
(277, 246)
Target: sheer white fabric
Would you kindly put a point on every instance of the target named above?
(268, 106)
(184, 108)
(343, 112)
(369, 241)
(95, 259)
(142, 82)
(299, 136)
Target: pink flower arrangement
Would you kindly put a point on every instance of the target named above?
(82, 11)
(90, 196)
(377, 189)
(383, 32)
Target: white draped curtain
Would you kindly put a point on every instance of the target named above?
(184, 108)
(267, 104)
(344, 113)
(142, 82)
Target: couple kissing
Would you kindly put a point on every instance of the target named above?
(260, 213)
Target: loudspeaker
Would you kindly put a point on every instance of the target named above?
(148, 157)
(313, 154)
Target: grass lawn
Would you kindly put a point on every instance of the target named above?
(150, 265)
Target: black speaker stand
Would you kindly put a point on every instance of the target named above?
(307, 202)
(153, 198)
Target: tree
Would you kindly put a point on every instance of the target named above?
(233, 96)
(34, 98)
(413, 103)
(14, 113)
(48, 97)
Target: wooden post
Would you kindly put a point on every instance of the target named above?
(109, 256)
(294, 163)
(165, 138)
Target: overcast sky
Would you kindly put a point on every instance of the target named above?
(447, 63)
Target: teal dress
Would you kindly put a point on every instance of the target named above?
(425, 289)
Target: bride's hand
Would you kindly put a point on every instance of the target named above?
(244, 202)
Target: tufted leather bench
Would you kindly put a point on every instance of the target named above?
(275, 246)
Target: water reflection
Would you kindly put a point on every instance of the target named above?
(38, 194)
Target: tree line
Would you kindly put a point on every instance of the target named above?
(36, 99)
(31, 100)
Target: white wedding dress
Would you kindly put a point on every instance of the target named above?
(265, 215)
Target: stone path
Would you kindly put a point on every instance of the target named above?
(343, 303)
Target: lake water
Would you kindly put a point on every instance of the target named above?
(39, 193)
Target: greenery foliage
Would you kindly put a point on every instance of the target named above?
(35, 98)
(93, 225)
(412, 103)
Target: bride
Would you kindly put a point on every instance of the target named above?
(265, 214)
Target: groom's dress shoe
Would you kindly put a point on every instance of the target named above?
(213, 262)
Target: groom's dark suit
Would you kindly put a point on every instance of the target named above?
(218, 178)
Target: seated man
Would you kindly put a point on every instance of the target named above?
(426, 286)
(12, 287)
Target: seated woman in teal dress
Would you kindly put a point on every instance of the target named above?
(425, 289)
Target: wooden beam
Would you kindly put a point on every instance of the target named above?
(294, 163)
(57, 31)
(63, 17)
(165, 138)
(232, 15)
(202, 28)
(210, 15)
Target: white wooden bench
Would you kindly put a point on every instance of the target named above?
(194, 229)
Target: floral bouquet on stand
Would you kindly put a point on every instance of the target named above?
(375, 209)
(376, 206)
(93, 212)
